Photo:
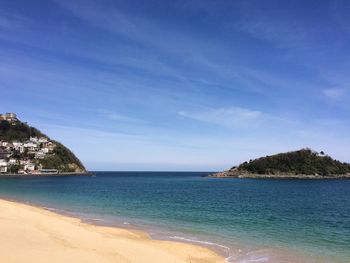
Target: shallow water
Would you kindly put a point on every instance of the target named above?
(246, 220)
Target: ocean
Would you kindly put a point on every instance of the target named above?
(245, 220)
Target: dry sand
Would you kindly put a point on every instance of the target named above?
(31, 234)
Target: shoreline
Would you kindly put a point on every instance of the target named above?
(218, 252)
(60, 232)
(89, 219)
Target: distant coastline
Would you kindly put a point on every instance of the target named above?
(47, 174)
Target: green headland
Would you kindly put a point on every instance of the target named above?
(303, 163)
(26, 150)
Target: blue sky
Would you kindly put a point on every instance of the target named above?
(179, 85)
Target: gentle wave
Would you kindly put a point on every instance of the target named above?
(246, 259)
(201, 242)
(249, 257)
(208, 243)
(49, 208)
(96, 219)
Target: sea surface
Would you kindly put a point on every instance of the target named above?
(246, 220)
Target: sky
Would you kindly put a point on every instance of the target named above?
(188, 85)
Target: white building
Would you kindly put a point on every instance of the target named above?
(4, 153)
(43, 140)
(34, 139)
(44, 150)
(8, 117)
(29, 167)
(17, 145)
(3, 144)
(24, 162)
(21, 148)
(12, 161)
(40, 155)
(3, 166)
(30, 146)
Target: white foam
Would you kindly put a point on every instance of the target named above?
(247, 258)
(255, 256)
(97, 219)
(49, 208)
(126, 223)
(200, 242)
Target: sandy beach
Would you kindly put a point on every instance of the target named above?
(32, 234)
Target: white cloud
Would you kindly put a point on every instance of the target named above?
(114, 116)
(232, 117)
(334, 93)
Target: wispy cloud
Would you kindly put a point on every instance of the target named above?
(137, 28)
(334, 93)
(293, 30)
(282, 35)
(232, 117)
(10, 22)
(114, 116)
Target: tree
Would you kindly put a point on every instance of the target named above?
(4, 125)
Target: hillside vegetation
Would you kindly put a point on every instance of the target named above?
(17, 131)
(62, 159)
(302, 162)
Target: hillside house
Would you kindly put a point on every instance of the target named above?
(3, 166)
(12, 161)
(29, 167)
(40, 155)
(31, 146)
(4, 154)
(10, 117)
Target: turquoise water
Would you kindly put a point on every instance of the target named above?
(244, 219)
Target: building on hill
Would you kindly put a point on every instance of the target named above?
(12, 161)
(43, 140)
(34, 139)
(10, 117)
(3, 144)
(4, 153)
(29, 167)
(3, 166)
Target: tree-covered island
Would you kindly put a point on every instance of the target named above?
(302, 164)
